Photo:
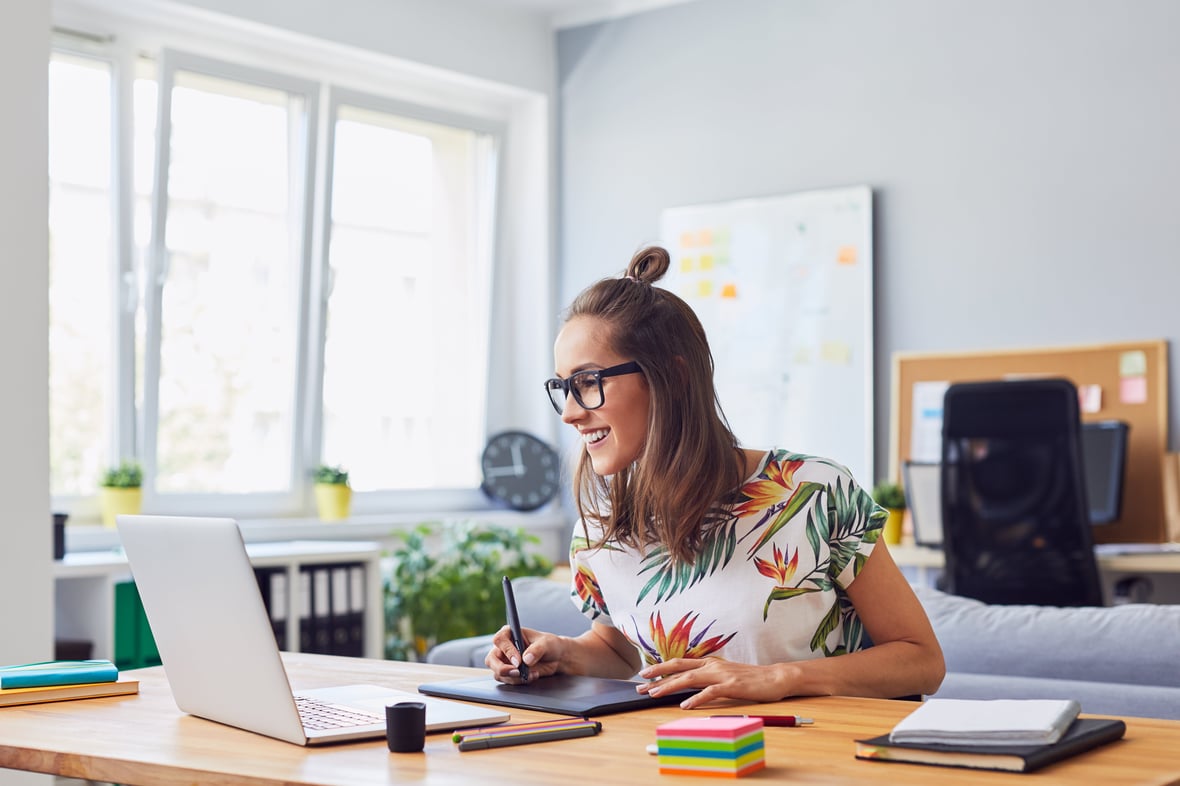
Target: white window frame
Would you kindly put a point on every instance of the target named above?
(173, 61)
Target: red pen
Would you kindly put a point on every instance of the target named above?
(773, 720)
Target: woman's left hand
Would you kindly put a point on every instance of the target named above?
(716, 678)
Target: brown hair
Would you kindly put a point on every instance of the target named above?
(689, 467)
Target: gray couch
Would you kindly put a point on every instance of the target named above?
(1119, 660)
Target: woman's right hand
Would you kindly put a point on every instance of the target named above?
(542, 655)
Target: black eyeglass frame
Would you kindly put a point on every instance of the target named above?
(597, 374)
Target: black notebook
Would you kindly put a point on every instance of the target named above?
(1084, 734)
(563, 694)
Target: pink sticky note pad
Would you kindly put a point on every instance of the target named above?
(725, 728)
(1133, 390)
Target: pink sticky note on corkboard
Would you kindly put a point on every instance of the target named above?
(1133, 390)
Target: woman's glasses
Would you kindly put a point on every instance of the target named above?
(586, 386)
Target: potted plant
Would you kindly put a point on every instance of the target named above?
(121, 491)
(890, 496)
(445, 583)
(333, 495)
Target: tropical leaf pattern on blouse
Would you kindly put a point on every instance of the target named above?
(670, 577)
(586, 583)
(804, 528)
(680, 641)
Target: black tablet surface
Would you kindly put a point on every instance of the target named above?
(563, 694)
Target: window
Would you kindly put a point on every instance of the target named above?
(301, 273)
(406, 264)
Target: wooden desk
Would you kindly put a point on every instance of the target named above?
(144, 739)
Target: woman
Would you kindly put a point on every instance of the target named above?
(735, 572)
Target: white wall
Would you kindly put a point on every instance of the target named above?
(1022, 154)
(26, 541)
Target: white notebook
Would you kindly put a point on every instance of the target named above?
(987, 721)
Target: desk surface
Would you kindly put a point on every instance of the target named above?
(144, 739)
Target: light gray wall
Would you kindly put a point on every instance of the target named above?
(508, 45)
(26, 544)
(1024, 154)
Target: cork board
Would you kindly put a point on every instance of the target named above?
(1124, 381)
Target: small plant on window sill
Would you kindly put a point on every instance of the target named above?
(445, 583)
(331, 475)
(127, 475)
(333, 494)
(121, 491)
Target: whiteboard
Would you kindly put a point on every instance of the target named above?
(784, 288)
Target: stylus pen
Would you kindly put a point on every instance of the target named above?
(773, 720)
(504, 740)
(514, 626)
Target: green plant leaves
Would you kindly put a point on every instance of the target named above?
(445, 583)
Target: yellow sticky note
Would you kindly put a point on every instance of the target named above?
(1133, 363)
(729, 290)
(836, 352)
(687, 264)
(846, 255)
(1133, 390)
(704, 288)
(706, 261)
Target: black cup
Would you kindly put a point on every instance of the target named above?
(59, 535)
(405, 726)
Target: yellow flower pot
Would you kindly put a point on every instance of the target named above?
(116, 501)
(332, 500)
(892, 532)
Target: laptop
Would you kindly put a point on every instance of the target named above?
(219, 650)
(564, 694)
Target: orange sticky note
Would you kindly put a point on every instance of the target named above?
(846, 255)
(729, 290)
(705, 237)
(687, 239)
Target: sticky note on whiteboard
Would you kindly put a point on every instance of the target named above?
(846, 255)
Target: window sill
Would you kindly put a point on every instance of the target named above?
(551, 520)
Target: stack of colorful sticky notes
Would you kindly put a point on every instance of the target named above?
(724, 747)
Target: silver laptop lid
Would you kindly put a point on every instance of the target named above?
(210, 624)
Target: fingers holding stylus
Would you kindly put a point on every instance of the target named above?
(505, 659)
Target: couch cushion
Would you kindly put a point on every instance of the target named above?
(1101, 698)
(1135, 643)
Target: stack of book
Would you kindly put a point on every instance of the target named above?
(1018, 735)
(60, 680)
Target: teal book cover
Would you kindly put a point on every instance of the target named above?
(57, 672)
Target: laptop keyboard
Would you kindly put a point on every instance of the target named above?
(318, 715)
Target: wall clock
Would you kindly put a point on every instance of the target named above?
(520, 470)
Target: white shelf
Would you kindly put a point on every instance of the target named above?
(85, 588)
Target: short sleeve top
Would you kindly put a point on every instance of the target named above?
(768, 585)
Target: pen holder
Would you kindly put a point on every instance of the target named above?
(405, 726)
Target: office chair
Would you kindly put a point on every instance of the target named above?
(1016, 525)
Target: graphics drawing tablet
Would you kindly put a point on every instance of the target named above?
(563, 694)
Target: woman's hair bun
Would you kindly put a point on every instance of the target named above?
(648, 265)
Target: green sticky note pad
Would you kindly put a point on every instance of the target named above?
(1133, 364)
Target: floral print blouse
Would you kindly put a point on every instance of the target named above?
(768, 586)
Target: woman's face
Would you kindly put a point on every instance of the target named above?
(614, 434)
